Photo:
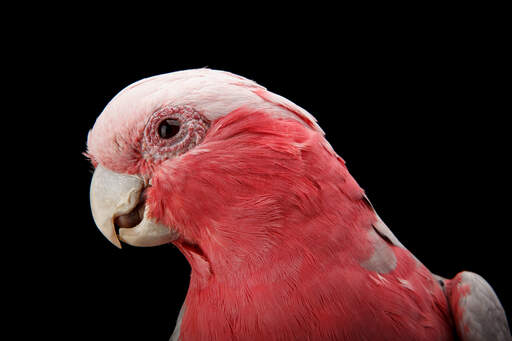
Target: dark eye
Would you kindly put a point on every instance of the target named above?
(168, 128)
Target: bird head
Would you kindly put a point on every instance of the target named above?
(210, 161)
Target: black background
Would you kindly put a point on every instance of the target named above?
(415, 109)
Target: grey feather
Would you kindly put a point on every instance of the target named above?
(382, 259)
(483, 317)
(176, 333)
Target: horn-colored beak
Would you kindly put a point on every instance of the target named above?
(117, 197)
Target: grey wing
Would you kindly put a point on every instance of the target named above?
(476, 310)
(176, 334)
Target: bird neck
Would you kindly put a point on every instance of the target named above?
(284, 232)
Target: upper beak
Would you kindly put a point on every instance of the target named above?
(114, 195)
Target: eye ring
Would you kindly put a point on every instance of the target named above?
(171, 131)
(169, 128)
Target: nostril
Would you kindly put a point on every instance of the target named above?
(130, 219)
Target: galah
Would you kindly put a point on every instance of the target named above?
(282, 242)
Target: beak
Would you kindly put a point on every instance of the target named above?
(117, 198)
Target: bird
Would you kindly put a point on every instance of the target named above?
(282, 242)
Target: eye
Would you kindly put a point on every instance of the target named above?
(168, 128)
